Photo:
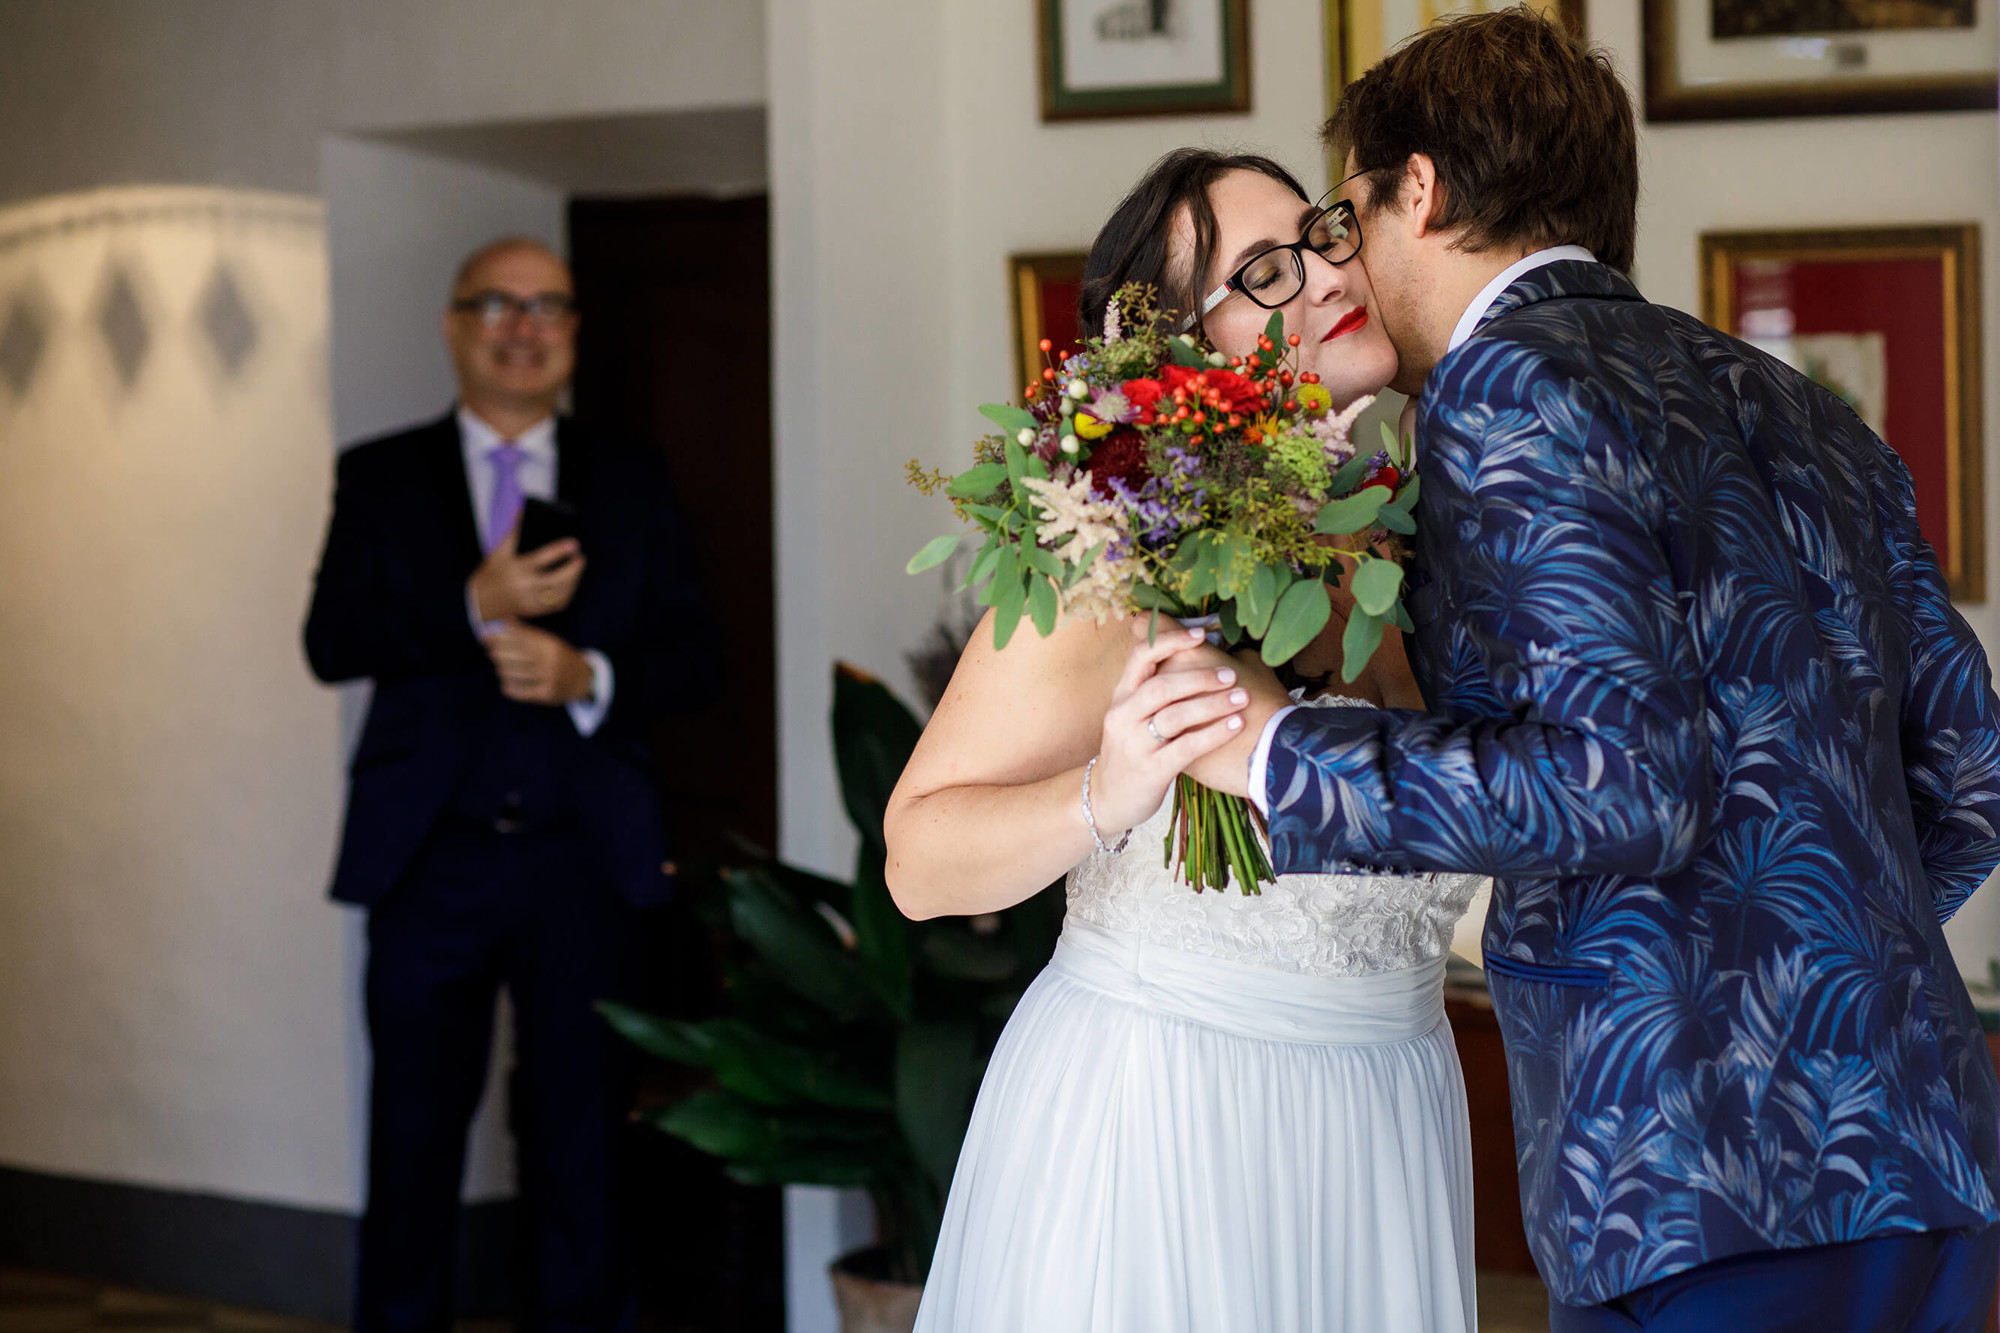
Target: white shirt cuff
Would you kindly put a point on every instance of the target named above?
(480, 628)
(587, 715)
(1260, 759)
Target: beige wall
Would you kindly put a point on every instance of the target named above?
(174, 988)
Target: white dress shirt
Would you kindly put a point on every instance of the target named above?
(1260, 758)
(537, 475)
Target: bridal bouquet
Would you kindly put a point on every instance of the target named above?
(1148, 473)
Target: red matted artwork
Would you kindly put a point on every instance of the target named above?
(1888, 319)
(1045, 289)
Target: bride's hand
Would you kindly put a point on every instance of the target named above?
(1191, 712)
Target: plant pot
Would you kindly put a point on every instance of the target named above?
(869, 1301)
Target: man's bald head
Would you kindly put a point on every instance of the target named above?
(467, 279)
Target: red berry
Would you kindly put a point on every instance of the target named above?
(1293, 339)
(1045, 345)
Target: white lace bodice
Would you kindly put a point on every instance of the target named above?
(1320, 925)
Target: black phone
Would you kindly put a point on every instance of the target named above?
(544, 521)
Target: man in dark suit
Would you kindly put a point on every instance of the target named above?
(502, 821)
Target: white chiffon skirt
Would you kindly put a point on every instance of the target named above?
(1171, 1143)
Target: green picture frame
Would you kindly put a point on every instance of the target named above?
(1068, 94)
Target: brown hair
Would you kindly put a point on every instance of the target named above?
(1133, 245)
(1531, 134)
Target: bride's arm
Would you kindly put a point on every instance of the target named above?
(990, 810)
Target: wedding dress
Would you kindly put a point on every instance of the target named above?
(1214, 1113)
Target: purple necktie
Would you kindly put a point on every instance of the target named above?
(505, 510)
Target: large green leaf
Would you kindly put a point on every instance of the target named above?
(873, 737)
(1302, 613)
(799, 946)
(1377, 583)
(780, 1073)
(1042, 604)
(937, 1073)
(668, 1038)
(1358, 643)
(1008, 417)
(936, 551)
(1351, 513)
(1185, 353)
(953, 949)
(881, 931)
(978, 482)
(1008, 605)
(724, 1124)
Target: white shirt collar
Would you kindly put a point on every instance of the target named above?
(1483, 302)
(537, 441)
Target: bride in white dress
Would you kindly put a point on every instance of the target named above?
(1211, 1113)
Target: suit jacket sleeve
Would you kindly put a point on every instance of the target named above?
(1555, 566)
(374, 613)
(1950, 722)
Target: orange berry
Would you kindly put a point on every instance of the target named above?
(1293, 339)
(1291, 405)
(1049, 373)
(1199, 417)
(1046, 345)
(1235, 420)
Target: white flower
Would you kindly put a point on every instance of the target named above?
(1334, 432)
(1218, 360)
(1084, 523)
(1025, 437)
(1069, 444)
(1079, 390)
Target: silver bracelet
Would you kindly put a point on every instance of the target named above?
(1091, 820)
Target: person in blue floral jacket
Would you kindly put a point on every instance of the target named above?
(1700, 703)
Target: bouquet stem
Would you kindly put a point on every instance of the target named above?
(1216, 837)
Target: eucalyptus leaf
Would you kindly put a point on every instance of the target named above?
(1009, 418)
(1353, 513)
(1017, 463)
(1377, 584)
(977, 483)
(1302, 612)
(1007, 608)
(1392, 443)
(1399, 616)
(1042, 604)
(1148, 598)
(1358, 643)
(936, 551)
(1349, 474)
(1259, 600)
(1396, 520)
(1042, 561)
(984, 563)
(1406, 496)
(1185, 354)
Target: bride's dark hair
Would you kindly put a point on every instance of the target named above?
(1133, 245)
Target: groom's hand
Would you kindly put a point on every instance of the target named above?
(1227, 768)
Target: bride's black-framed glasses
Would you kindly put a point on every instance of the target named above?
(1274, 276)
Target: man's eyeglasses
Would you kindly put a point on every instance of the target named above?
(495, 308)
(1274, 276)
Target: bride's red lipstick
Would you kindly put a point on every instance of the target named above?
(1349, 322)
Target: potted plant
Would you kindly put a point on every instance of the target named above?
(853, 1039)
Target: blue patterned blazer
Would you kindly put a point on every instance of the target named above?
(1701, 705)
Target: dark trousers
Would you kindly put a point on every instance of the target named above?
(1926, 1282)
(481, 910)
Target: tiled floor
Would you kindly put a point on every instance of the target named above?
(43, 1303)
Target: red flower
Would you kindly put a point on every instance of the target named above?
(1143, 394)
(1121, 454)
(1385, 475)
(1218, 389)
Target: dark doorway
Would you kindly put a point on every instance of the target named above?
(675, 350)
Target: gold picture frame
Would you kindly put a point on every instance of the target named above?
(1925, 308)
(1361, 32)
(1690, 75)
(1037, 285)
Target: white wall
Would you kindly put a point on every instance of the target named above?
(174, 989)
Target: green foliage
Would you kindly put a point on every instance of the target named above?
(855, 1038)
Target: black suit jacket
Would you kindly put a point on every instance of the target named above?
(389, 604)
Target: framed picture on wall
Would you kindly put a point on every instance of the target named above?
(1730, 59)
(1888, 318)
(1361, 32)
(1044, 290)
(1144, 57)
